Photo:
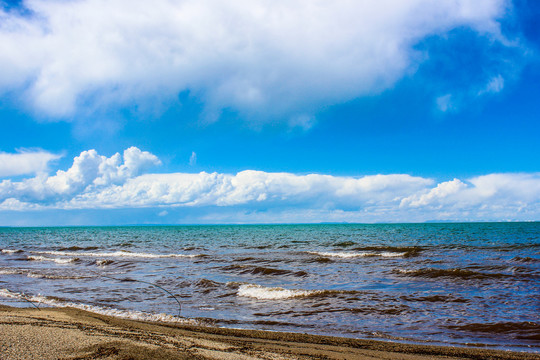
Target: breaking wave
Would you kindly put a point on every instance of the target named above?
(56, 260)
(406, 251)
(278, 293)
(11, 251)
(348, 255)
(121, 253)
(272, 293)
(39, 275)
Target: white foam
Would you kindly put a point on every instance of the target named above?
(272, 293)
(37, 275)
(347, 255)
(56, 260)
(344, 255)
(406, 271)
(392, 254)
(9, 272)
(103, 262)
(10, 251)
(121, 253)
(124, 314)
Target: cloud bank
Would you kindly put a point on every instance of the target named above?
(260, 58)
(25, 162)
(119, 182)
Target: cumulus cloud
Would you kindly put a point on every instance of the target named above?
(252, 187)
(98, 182)
(492, 197)
(25, 162)
(435, 195)
(89, 172)
(257, 57)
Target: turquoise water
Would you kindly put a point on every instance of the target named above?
(460, 284)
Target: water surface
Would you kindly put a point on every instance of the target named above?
(453, 284)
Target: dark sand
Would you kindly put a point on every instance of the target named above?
(66, 333)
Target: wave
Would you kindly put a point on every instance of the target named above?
(322, 259)
(522, 330)
(407, 251)
(121, 253)
(78, 248)
(193, 248)
(526, 259)
(56, 260)
(11, 251)
(435, 298)
(272, 293)
(124, 244)
(244, 259)
(366, 310)
(205, 283)
(344, 244)
(124, 314)
(260, 247)
(261, 270)
(279, 293)
(104, 262)
(451, 273)
(348, 255)
(39, 275)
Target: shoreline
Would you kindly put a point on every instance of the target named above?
(68, 333)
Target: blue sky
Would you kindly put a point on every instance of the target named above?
(268, 112)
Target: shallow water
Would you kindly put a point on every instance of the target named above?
(464, 284)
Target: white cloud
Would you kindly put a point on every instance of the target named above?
(450, 103)
(444, 103)
(491, 197)
(193, 158)
(494, 85)
(262, 57)
(99, 182)
(435, 195)
(89, 172)
(25, 162)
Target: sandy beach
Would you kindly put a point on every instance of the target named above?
(67, 333)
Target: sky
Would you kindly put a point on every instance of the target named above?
(259, 111)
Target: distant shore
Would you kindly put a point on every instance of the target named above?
(67, 333)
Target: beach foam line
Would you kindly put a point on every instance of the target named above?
(124, 314)
(56, 260)
(121, 253)
(274, 293)
(348, 255)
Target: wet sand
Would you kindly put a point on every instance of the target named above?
(67, 333)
